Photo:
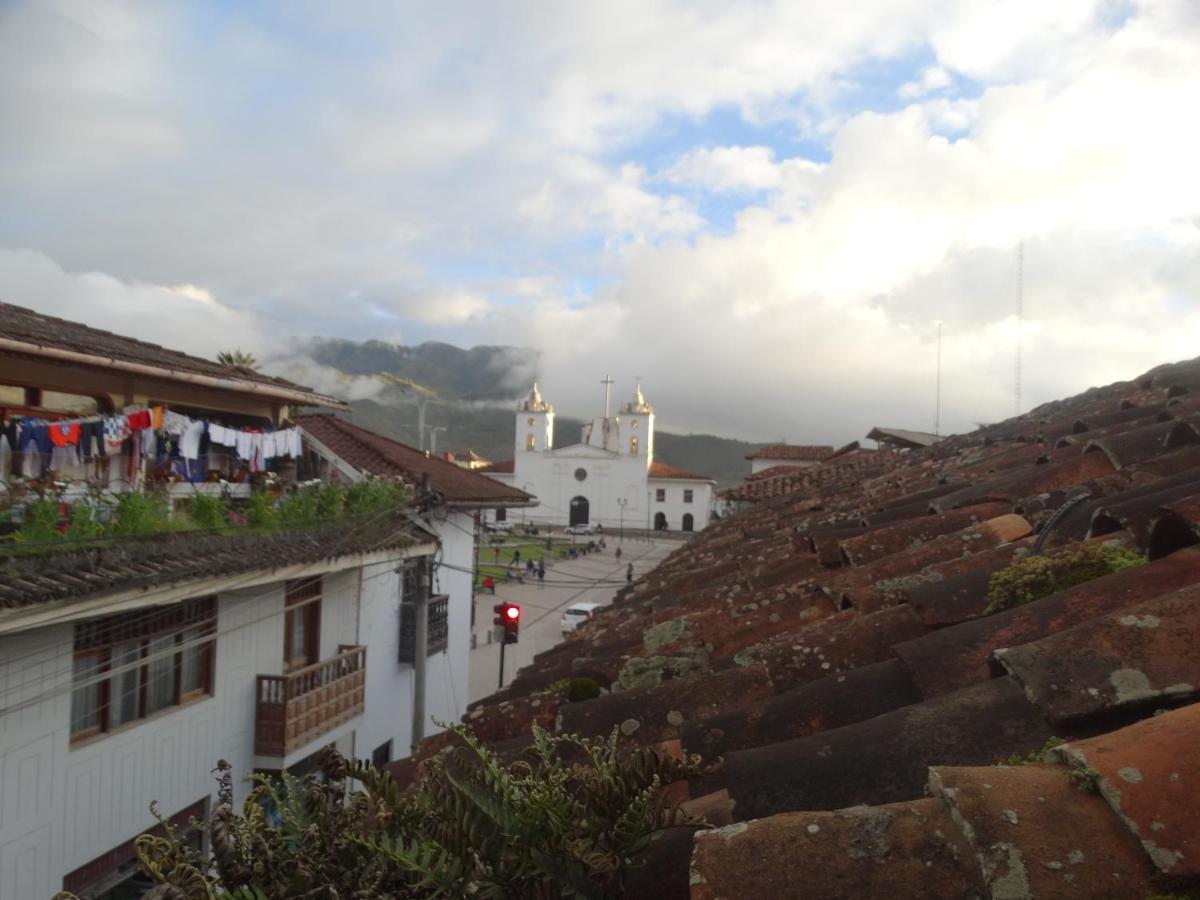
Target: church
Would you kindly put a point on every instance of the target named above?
(609, 477)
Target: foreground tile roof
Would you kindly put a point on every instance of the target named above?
(829, 643)
(377, 455)
(39, 330)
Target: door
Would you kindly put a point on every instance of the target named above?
(660, 521)
(687, 521)
(579, 511)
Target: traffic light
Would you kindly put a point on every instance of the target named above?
(508, 617)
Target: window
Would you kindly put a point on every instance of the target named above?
(302, 624)
(633, 446)
(581, 474)
(132, 665)
(660, 495)
(501, 514)
(382, 755)
(687, 496)
(530, 442)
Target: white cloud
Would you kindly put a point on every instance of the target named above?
(727, 169)
(933, 78)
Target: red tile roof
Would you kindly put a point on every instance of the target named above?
(811, 452)
(503, 467)
(829, 641)
(374, 454)
(662, 470)
(42, 333)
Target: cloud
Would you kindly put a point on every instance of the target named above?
(546, 175)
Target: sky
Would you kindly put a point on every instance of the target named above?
(764, 210)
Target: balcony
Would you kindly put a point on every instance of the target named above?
(297, 708)
(438, 628)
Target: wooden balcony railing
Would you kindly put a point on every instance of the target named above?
(438, 635)
(297, 708)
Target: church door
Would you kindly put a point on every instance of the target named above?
(660, 521)
(579, 511)
(687, 521)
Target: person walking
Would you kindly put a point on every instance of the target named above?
(541, 573)
(629, 574)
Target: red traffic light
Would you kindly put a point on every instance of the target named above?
(512, 611)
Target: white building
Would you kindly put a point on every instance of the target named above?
(797, 456)
(130, 666)
(609, 477)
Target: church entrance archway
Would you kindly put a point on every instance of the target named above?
(579, 511)
(687, 521)
(660, 521)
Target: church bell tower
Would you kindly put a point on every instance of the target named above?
(535, 424)
(638, 428)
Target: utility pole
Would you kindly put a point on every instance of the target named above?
(621, 501)
(421, 403)
(420, 607)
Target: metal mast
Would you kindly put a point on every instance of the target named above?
(1020, 318)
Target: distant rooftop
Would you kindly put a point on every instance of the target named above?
(792, 452)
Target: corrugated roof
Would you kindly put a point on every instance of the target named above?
(377, 455)
(39, 330)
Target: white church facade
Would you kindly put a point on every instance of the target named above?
(609, 478)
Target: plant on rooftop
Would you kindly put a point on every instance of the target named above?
(140, 512)
(40, 521)
(568, 820)
(208, 511)
(1035, 577)
(1033, 756)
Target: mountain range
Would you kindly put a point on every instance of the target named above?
(472, 394)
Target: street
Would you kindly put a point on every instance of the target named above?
(593, 578)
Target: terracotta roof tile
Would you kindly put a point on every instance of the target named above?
(503, 467)
(662, 470)
(1142, 656)
(1150, 776)
(814, 453)
(900, 850)
(1034, 834)
(374, 454)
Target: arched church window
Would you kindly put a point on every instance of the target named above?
(530, 442)
(633, 446)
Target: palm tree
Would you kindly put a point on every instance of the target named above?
(237, 359)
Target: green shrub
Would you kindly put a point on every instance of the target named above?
(567, 820)
(1033, 756)
(374, 495)
(40, 521)
(1035, 577)
(139, 512)
(86, 522)
(580, 689)
(208, 511)
(260, 510)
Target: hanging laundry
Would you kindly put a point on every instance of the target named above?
(116, 430)
(156, 417)
(189, 440)
(64, 434)
(139, 420)
(174, 423)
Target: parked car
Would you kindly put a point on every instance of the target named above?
(581, 529)
(576, 615)
(498, 527)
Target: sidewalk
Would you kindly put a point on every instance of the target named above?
(593, 578)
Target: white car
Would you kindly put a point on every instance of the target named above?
(577, 614)
(499, 527)
(581, 529)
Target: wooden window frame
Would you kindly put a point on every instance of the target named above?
(687, 495)
(660, 495)
(100, 637)
(305, 593)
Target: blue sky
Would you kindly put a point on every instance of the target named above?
(763, 210)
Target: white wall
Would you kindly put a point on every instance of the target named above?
(673, 506)
(61, 807)
(758, 465)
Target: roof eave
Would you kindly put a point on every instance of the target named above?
(238, 385)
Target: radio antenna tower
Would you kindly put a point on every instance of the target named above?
(1020, 318)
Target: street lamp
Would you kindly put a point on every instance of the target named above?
(621, 501)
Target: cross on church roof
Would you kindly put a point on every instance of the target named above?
(608, 383)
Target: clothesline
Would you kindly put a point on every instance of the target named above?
(151, 433)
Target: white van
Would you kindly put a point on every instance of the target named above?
(578, 613)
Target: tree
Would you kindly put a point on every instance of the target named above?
(237, 359)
